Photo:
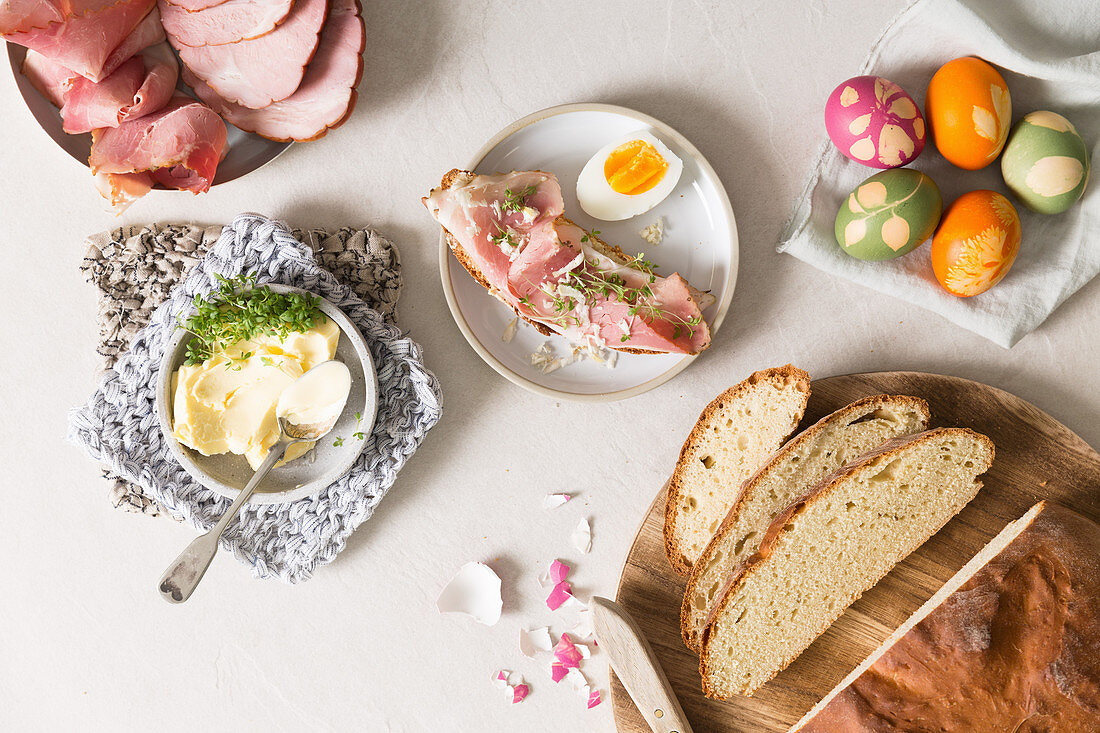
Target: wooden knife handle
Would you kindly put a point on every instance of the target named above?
(638, 669)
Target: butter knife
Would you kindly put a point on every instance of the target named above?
(637, 667)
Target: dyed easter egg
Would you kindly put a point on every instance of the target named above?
(874, 122)
(969, 112)
(1046, 163)
(888, 215)
(976, 243)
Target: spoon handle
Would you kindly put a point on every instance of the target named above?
(183, 575)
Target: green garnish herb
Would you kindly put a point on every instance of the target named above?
(593, 283)
(240, 311)
(267, 361)
(515, 201)
(338, 442)
(589, 235)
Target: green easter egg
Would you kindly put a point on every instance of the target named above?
(888, 215)
(1046, 163)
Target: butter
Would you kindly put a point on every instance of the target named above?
(227, 403)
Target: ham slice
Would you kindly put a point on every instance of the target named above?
(49, 77)
(180, 145)
(196, 5)
(511, 230)
(20, 16)
(123, 189)
(86, 43)
(140, 86)
(262, 70)
(326, 96)
(227, 22)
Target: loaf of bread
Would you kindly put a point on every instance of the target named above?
(801, 464)
(821, 553)
(1010, 643)
(732, 439)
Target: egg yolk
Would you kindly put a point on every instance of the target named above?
(634, 167)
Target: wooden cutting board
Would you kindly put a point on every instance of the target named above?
(1037, 458)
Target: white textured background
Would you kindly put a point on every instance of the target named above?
(85, 643)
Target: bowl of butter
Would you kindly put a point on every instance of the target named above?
(223, 371)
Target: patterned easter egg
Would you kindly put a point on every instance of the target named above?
(1046, 163)
(874, 122)
(976, 243)
(969, 112)
(888, 215)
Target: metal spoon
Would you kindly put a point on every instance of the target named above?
(183, 575)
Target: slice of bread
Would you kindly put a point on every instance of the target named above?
(821, 553)
(460, 177)
(1009, 643)
(802, 463)
(733, 437)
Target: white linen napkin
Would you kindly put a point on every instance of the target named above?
(1049, 53)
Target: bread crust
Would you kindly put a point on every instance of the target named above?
(767, 544)
(855, 410)
(780, 375)
(608, 250)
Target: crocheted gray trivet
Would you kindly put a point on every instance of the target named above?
(135, 267)
(118, 426)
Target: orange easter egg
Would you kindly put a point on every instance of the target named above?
(976, 243)
(969, 112)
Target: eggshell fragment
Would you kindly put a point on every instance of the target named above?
(533, 641)
(475, 592)
(582, 536)
(511, 683)
(583, 628)
(567, 653)
(577, 681)
(594, 699)
(561, 593)
(553, 501)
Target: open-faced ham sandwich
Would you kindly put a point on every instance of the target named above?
(510, 234)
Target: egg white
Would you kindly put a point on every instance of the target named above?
(600, 201)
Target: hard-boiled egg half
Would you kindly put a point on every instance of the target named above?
(628, 177)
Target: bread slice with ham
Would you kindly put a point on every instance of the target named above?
(260, 71)
(326, 96)
(226, 22)
(510, 233)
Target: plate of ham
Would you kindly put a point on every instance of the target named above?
(567, 305)
(183, 94)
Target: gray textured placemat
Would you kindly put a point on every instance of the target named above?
(118, 425)
(135, 267)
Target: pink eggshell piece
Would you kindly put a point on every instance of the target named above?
(875, 122)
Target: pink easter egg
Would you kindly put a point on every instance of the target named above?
(875, 122)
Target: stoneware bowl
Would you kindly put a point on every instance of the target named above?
(227, 474)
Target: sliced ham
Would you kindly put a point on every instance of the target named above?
(227, 22)
(123, 189)
(86, 43)
(263, 70)
(326, 96)
(140, 86)
(49, 77)
(196, 5)
(147, 33)
(179, 146)
(20, 16)
(548, 270)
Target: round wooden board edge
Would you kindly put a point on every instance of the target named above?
(621, 702)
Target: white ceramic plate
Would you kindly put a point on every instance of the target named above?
(245, 151)
(700, 243)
